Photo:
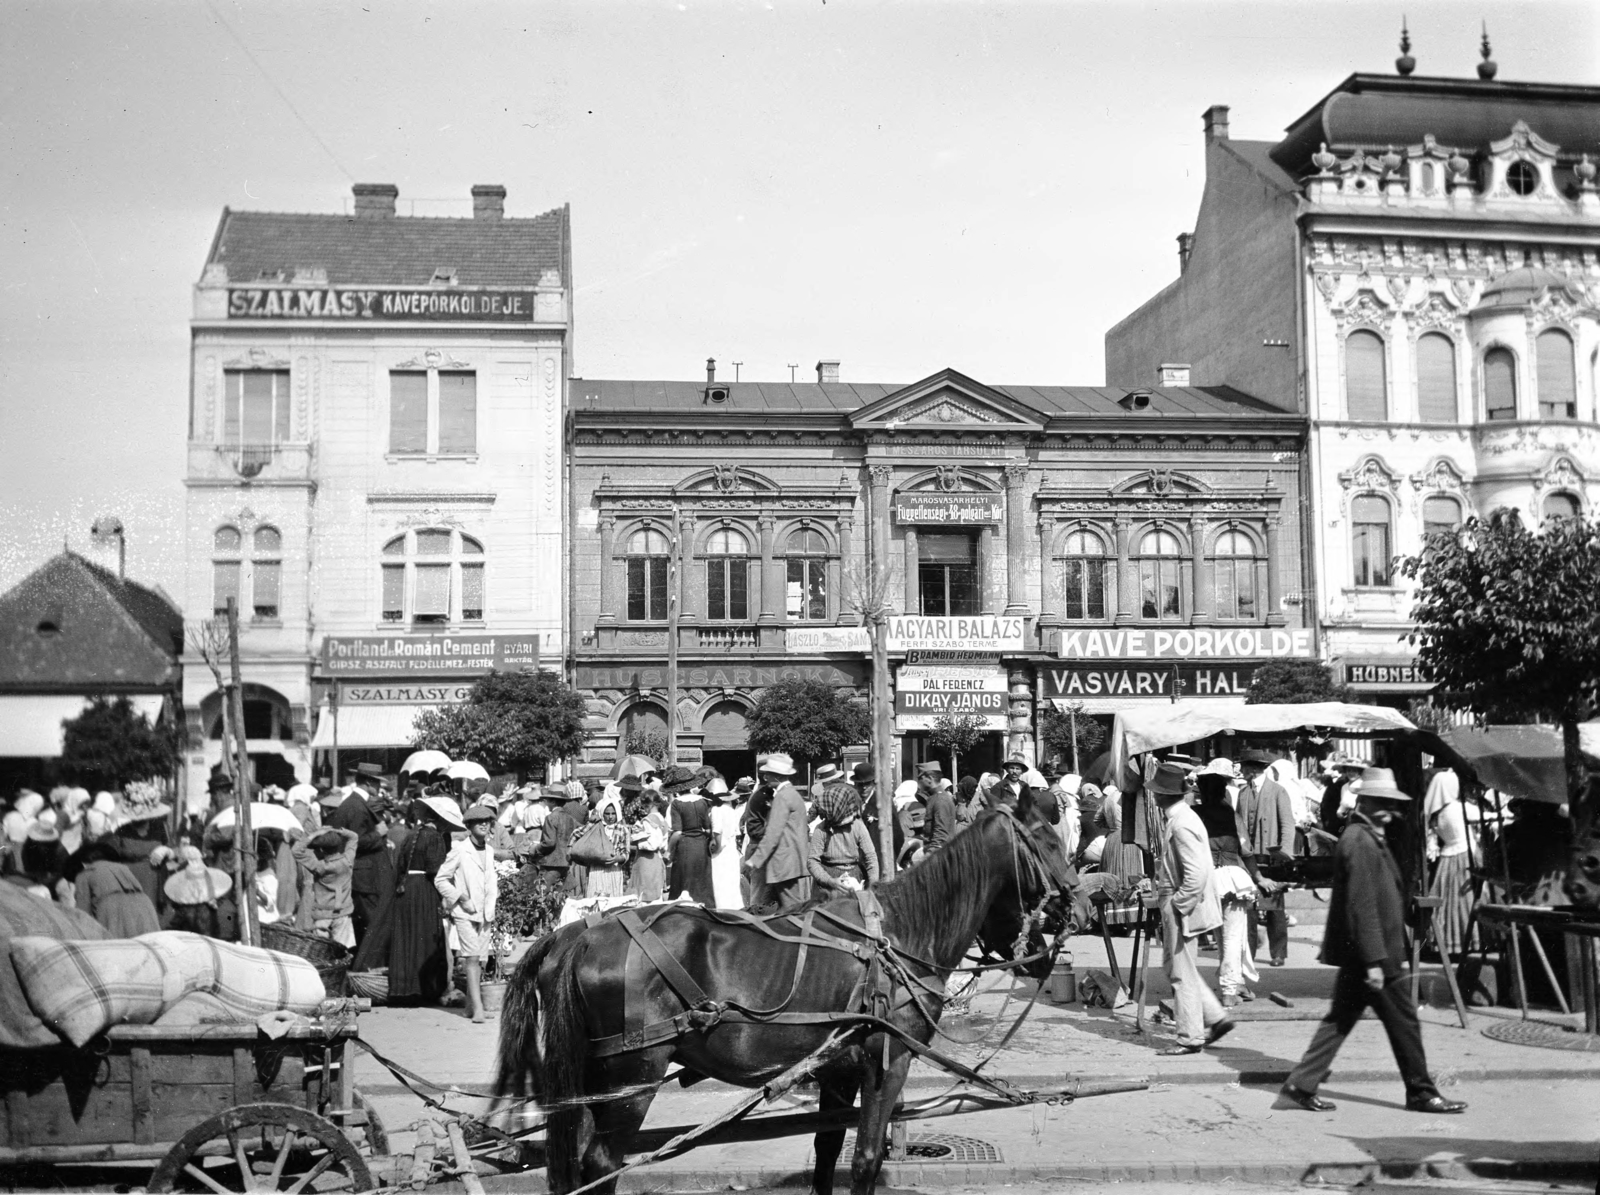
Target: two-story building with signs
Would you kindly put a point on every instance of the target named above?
(1416, 265)
(375, 468)
(1034, 543)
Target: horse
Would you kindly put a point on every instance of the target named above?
(768, 1004)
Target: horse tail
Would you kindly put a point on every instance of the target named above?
(518, 1075)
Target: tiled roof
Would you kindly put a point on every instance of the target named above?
(812, 398)
(392, 251)
(109, 632)
(1256, 153)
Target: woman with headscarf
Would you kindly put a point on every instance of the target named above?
(606, 879)
(419, 969)
(724, 846)
(1446, 819)
(648, 831)
(1123, 860)
(843, 857)
(1089, 800)
(690, 840)
(967, 806)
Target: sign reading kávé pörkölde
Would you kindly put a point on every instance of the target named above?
(379, 303)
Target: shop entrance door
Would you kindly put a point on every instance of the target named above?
(726, 745)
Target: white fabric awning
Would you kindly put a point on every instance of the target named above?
(1116, 705)
(30, 724)
(368, 726)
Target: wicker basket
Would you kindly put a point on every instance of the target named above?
(335, 979)
(374, 985)
(317, 950)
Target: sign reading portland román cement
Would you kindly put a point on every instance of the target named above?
(350, 303)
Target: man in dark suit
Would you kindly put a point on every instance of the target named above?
(373, 869)
(940, 820)
(779, 871)
(1267, 814)
(1366, 940)
(550, 853)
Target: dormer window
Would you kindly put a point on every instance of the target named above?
(1522, 177)
(444, 276)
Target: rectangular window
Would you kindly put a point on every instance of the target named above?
(947, 574)
(408, 412)
(1236, 588)
(647, 588)
(1083, 588)
(472, 592)
(1369, 537)
(458, 412)
(1159, 589)
(432, 603)
(256, 411)
(1558, 383)
(807, 597)
(394, 592)
(267, 574)
(224, 585)
(727, 589)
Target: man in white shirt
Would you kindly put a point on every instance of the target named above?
(468, 884)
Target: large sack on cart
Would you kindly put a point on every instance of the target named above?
(22, 915)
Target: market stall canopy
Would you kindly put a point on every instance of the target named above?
(30, 723)
(1523, 761)
(368, 726)
(1191, 721)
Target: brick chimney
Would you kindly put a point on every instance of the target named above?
(827, 372)
(488, 202)
(711, 370)
(1185, 250)
(1216, 118)
(375, 201)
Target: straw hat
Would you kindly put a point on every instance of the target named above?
(197, 884)
(141, 802)
(1220, 766)
(446, 809)
(45, 828)
(828, 773)
(1379, 782)
(778, 763)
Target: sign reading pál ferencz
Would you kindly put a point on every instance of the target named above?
(923, 694)
(1189, 643)
(352, 303)
(977, 632)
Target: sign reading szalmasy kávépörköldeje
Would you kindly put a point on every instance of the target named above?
(367, 303)
(419, 655)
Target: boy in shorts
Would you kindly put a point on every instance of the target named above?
(468, 884)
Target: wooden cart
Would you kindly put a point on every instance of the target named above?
(215, 1107)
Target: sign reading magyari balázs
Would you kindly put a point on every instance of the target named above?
(977, 632)
(426, 655)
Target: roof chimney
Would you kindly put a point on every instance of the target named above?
(1185, 250)
(488, 202)
(711, 370)
(375, 201)
(827, 373)
(1169, 374)
(1216, 118)
(109, 543)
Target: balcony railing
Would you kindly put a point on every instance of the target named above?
(248, 459)
(728, 638)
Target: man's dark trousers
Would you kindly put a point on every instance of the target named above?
(1399, 1016)
(1277, 922)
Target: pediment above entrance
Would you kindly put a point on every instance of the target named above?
(945, 401)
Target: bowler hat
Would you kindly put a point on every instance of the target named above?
(1255, 755)
(862, 773)
(220, 782)
(1379, 782)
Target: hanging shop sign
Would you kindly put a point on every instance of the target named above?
(813, 639)
(358, 693)
(1187, 643)
(979, 632)
(425, 655)
(1372, 674)
(352, 303)
(936, 506)
(1119, 678)
(923, 693)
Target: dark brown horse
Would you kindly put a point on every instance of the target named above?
(582, 984)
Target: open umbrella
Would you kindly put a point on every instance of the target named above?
(425, 761)
(306, 793)
(633, 765)
(263, 816)
(465, 769)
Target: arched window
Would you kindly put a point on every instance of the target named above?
(1370, 541)
(1558, 375)
(1440, 516)
(433, 576)
(1560, 505)
(727, 576)
(649, 554)
(1365, 380)
(807, 565)
(1499, 384)
(1436, 379)
(1160, 576)
(1085, 573)
(266, 571)
(1234, 566)
(227, 561)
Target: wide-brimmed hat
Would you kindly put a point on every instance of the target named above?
(369, 773)
(1016, 761)
(676, 779)
(1346, 763)
(862, 773)
(446, 809)
(930, 767)
(1220, 766)
(141, 802)
(478, 813)
(716, 787)
(745, 786)
(1168, 780)
(45, 828)
(1379, 782)
(220, 782)
(778, 763)
(1255, 755)
(332, 798)
(828, 773)
(196, 884)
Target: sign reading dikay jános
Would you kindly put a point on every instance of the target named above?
(924, 693)
(426, 655)
(364, 303)
(1186, 643)
(978, 632)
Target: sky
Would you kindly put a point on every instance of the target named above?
(899, 186)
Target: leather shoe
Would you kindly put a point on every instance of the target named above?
(1219, 1031)
(1277, 962)
(1309, 1100)
(1180, 1048)
(1435, 1103)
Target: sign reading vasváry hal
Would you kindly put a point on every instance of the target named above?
(1187, 643)
(1118, 680)
(350, 303)
(936, 506)
(426, 655)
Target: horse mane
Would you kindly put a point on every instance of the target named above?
(930, 905)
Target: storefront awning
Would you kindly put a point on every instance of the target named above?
(30, 724)
(1116, 705)
(369, 726)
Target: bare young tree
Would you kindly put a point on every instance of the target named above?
(867, 595)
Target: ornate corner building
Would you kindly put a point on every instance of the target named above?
(1034, 543)
(1414, 265)
(374, 469)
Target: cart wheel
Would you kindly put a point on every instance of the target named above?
(263, 1147)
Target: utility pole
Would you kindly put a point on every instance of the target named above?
(244, 841)
(792, 368)
(882, 737)
(736, 365)
(673, 569)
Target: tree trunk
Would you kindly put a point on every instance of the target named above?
(1583, 866)
(882, 736)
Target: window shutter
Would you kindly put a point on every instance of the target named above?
(472, 591)
(394, 592)
(1499, 384)
(1558, 380)
(433, 591)
(233, 382)
(257, 412)
(1364, 386)
(716, 589)
(408, 412)
(738, 589)
(658, 587)
(280, 411)
(267, 576)
(1436, 379)
(458, 412)
(224, 585)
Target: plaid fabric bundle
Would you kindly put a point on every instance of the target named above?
(252, 981)
(80, 989)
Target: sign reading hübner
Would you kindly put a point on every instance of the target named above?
(352, 303)
(936, 506)
(423, 655)
(1187, 643)
(979, 632)
(924, 693)
(1121, 680)
(1384, 672)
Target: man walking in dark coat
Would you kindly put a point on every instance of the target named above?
(779, 867)
(940, 821)
(1366, 940)
(373, 870)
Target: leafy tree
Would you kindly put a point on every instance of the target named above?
(646, 742)
(1290, 682)
(510, 722)
(111, 744)
(1508, 624)
(808, 719)
(957, 734)
(1056, 732)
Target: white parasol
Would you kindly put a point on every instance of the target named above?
(465, 769)
(425, 761)
(263, 816)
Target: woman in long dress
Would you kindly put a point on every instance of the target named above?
(1121, 859)
(724, 847)
(607, 879)
(648, 877)
(418, 964)
(110, 893)
(691, 848)
(1445, 817)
